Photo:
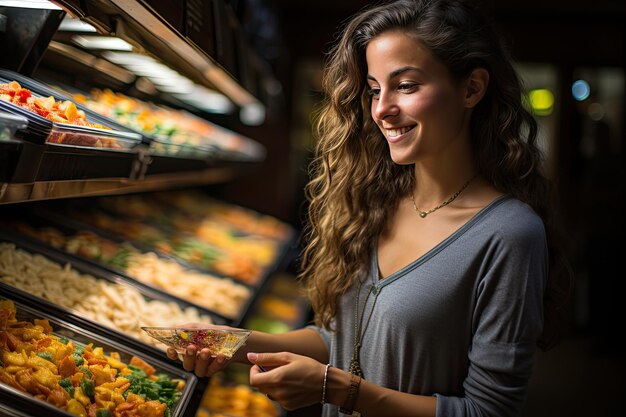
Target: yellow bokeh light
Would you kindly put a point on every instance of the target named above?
(541, 101)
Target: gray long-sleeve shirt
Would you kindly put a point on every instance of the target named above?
(460, 322)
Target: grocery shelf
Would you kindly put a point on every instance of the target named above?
(46, 190)
(202, 41)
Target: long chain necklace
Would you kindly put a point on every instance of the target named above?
(355, 364)
(445, 203)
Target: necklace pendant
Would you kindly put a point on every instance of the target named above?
(423, 214)
(355, 367)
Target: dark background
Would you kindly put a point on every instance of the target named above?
(584, 375)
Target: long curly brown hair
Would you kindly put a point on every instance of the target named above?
(355, 186)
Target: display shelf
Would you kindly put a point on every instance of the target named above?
(222, 298)
(281, 307)
(154, 28)
(69, 217)
(208, 47)
(46, 190)
(202, 242)
(114, 289)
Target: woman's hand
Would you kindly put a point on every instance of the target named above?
(294, 381)
(199, 361)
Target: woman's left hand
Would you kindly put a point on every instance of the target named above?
(294, 381)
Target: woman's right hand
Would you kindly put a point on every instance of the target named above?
(199, 361)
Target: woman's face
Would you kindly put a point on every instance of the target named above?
(414, 102)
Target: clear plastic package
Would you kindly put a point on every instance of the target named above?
(219, 341)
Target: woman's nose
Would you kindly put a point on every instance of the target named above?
(384, 105)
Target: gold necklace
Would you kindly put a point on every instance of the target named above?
(355, 361)
(445, 203)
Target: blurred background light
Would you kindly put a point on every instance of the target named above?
(69, 24)
(541, 101)
(596, 111)
(102, 42)
(581, 90)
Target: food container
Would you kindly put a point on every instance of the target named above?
(46, 90)
(65, 162)
(91, 137)
(170, 132)
(224, 397)
(42, 130)
(37, 128)
(19, 160)
(70, 332)
(103, 302)
(224, 342)
(10, 124)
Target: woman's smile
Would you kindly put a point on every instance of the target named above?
(398, 134)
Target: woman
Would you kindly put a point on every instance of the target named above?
(429, 240)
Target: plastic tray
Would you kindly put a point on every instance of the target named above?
(60, 162)
(38, 128)
(10, 124)
(75, 332)
(159, 231)
(219, 341)
(157, 146)
(149, 293)
(166, 156)
(90, 137)
(41, 130)
(45, 90)
(19, 160)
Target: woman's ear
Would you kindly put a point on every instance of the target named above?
(476, 86)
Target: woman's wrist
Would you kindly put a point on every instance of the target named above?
(337, 386)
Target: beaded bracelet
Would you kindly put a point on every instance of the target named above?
(324, 384)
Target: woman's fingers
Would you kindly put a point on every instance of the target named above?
(172, 354)
(200, 361)
(189, 358)
(217, 364)
(202, 364)
(203, 361)
(269, 360)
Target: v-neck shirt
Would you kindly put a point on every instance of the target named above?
(460, 322)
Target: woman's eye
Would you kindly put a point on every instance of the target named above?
(373, 92)
(407, 87)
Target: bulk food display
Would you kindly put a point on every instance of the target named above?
(173, 131)
(218, 294)
(61, 122)
(219, 238)
(79, 373)
(111, 279)
(85, 282)
(111, 303)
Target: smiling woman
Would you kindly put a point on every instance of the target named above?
(412, 91)
(418, 312)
